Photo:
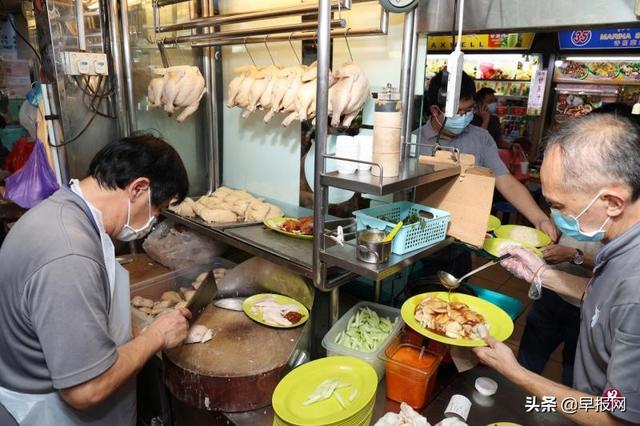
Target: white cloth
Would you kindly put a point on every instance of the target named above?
(120, 409)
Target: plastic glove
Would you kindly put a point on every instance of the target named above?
(523, 263)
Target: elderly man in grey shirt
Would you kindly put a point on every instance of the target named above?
(67, 356)
(591, 177)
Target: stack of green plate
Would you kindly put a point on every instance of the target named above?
(359, 398)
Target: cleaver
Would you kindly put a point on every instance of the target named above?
(203, 297)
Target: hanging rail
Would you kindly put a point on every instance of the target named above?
(223, 39)
(245, 33)
(208, 21)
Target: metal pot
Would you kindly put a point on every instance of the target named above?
(370, 247)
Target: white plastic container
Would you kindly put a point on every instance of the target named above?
(365, 150)
(346, 147)
(333, 349)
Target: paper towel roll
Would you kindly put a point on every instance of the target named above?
(387, 119)
(386, 140)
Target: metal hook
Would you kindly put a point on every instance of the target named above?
(163, 54)
(346, 40)
(294, 50)
(248, 53)
(268, 51)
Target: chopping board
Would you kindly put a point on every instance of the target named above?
(235, 371)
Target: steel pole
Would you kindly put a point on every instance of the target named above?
(116, 61)
(128, 76)
(406, 95)
(322, 126)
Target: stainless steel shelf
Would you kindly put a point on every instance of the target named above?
(345, 257)
(414, 174)
(292, 253)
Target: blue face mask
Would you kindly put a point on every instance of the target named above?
(457, 124)
(492, 108)
(570, 225)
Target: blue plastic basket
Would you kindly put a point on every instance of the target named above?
(410, 237)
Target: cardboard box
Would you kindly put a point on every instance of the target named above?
(468, 197)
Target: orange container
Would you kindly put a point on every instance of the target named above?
(411, 373)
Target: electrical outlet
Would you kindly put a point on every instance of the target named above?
(71, 62)
(84, 63)
(100, 64)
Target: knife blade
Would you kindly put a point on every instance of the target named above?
(203, 297)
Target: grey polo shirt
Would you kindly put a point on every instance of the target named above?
(608, 354)
(473, 140)
(54, 299)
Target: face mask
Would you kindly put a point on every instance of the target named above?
(457, 124)
(570, 225)
(492, 107)
(128, 233)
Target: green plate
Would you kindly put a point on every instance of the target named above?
(506, 232)
(290, 394)
(493, 224)
(493, 245)
(275, 223)
(256, 314)
(500, 323)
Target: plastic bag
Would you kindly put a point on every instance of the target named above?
(18, 155)
(176, 247)
(34, 182)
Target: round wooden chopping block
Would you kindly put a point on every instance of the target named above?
(235, 371)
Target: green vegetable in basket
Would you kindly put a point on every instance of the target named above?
(365, 331)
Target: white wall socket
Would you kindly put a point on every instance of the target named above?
(84, 63)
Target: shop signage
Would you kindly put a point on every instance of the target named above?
(612, 38)
(504, 41)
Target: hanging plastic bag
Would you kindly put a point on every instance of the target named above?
(18, 155)
(34, 182)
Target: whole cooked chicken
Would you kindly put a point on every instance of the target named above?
(155, 89)
(348, 95)
(179, 87)
(241, 98)
(263, 83)
(285, 78)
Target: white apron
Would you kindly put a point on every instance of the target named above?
(120, 408)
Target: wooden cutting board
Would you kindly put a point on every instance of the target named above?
(235, 371)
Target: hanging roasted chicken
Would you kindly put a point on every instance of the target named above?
(180, 87)
(292, 91)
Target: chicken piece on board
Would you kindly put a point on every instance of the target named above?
(217, 215)
(199, 334)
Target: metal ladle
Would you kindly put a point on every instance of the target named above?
(450, 282)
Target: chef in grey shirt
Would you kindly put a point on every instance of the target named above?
(458, 132)
(67, 356)
(591, 177)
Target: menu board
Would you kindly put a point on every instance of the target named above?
(598, 72)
